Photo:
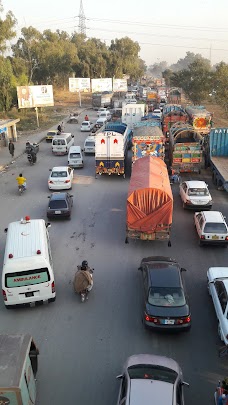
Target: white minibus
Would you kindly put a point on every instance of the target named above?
(62, 143)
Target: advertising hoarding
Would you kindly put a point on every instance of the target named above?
(120, 85)
(77, 84)
(35, 96)
(100, 85)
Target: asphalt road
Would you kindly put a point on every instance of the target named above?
(83, 346)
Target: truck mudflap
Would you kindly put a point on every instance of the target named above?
(162, 235)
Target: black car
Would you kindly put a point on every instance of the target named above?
(60, 205)
(165, 300)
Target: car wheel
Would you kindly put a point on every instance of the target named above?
(200, 243)
(225, 246)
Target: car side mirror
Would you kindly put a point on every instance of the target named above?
(82, 150)
(71, 195)
(6, 230)
(140, 268)
(183, 269)
(48, 196)
(119, 377)
(48, 225)
(49, 170)
(72, 136)
(185, 384)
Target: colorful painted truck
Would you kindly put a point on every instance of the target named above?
(149, 201)
(199, 118)
(216, 156)
(111, 146)
(18, 367)
(172, 113)
(185, 148)
(147, 140)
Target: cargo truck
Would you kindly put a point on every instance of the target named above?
(185, 148)
(172, 113)
(111, 146)
(101, 100)
(199, 118)
(149, 201)
(216, 156)
(148, 140)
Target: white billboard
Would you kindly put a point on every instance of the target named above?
(79, 84)
(99, 85)
(119, 84)
(35, 96)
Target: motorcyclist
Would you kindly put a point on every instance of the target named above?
(85, 267)
(86, 118)
(83, 285)
(21, 181)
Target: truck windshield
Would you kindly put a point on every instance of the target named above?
(28, 277)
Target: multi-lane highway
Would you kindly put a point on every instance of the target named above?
(83, 346)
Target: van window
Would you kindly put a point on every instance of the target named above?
(68, 139)
(75, 155)
(59, 142)
(28, 277)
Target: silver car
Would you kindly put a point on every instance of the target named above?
(148, 379)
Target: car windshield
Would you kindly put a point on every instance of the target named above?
(59, 174)
(57, 204)
(198, 191)
(153, 372)
(75, 155)
(166, 297)
(215, 227)
(28, 277)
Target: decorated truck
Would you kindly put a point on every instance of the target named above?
(199, 118)
(111, 146)
(172, 113)
(185, 148)
(147, 140)
(149, 201)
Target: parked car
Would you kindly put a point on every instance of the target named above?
(195, 195)
(151, 379)
(217, 282)
(165, 301)
(211, 228)
(86, 126)
(157, 112)
(60, 178)
(101, 121)
(60, 205)
(50, 135)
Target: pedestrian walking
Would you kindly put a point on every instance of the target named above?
(11, 148)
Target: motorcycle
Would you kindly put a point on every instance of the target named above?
(73, 119)
(31, 158)
(221, 393)
(32, 147)
(21, 189)
(83, 282)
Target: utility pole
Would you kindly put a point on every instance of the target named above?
(210, 51)
(81, 25)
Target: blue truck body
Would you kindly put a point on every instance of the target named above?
(218, 156)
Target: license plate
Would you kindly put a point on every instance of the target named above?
(57, 212)
(29, 294)
(214, 237)
(169, 321)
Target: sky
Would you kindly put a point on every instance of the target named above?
(165, 29)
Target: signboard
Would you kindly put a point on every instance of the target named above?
(77, 84)
(119, 84)
(99, 85)
(35, 96)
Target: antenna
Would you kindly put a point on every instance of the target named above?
(81, 25)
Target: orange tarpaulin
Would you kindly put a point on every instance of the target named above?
(150, 198)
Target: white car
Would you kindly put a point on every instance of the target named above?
(89, 145)
(217, 282)
(86, 126)
(157, 112)
(60, 178)
(102, 109)
(195, 195)
(101, 121)
(211, 228)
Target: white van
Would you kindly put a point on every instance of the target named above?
(62, 143)
(75, 158)
(27, 275)
(89, 145)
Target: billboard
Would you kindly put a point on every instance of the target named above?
(119, 84)
(35, 96)
(99, 85)
(79, 84)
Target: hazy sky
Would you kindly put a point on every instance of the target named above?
(165, 29)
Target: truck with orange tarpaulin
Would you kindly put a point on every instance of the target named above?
(149, 201)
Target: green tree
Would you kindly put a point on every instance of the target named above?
(157, 68)
(7, 84)
(220, 84)
(7, 31)
(167, 74)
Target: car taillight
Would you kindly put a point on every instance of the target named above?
(50, 182)
(226, 237)
(67, 181)
(4, 295)
(151, 319)
(202, 237)
(53, 287)
(182, 321)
